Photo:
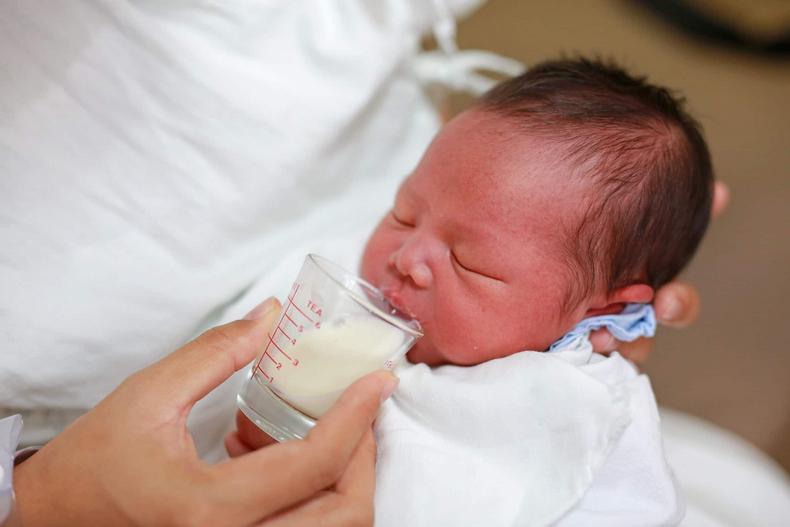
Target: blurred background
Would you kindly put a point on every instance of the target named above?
(733, 366)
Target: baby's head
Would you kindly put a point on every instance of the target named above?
(564, 193)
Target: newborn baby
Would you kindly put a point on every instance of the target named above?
(564, 194)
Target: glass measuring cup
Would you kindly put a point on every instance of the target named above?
(334, 328)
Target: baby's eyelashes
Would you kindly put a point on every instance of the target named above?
(466, 269)
(400, 221)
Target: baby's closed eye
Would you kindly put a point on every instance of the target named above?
(473, 269)
(401, 221)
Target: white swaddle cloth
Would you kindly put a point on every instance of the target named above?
(568, 437)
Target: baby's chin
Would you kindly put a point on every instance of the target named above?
(424, 352)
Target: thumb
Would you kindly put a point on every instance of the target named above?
(189, 373)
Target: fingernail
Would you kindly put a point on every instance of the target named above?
(262, 309)
(672, 310)
(389, 387)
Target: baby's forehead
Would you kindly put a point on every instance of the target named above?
(500, 146)
(486, 160)
(495, 189)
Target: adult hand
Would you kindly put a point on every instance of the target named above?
(677, 304)
(131, 460)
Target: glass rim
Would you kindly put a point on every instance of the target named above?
(322, 263)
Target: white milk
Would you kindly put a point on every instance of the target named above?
(333, 357)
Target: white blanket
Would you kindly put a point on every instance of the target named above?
(159, 158)
(568, 438)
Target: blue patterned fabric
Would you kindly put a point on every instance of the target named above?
(635, 321)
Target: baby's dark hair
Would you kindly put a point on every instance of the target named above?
(644, 155)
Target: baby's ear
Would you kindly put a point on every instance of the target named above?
(617, 299)
(632, 294)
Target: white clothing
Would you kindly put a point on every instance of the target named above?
(569, 438)
(157, 158)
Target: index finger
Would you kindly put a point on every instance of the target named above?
(359, 478)
(191, 372)
(268, 480)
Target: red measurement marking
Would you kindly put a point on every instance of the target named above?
(305, 315)
(293, 341)
(292, 303)
(260, 359)
(294, 290)
(295, 362)
(277, 364)
(298, 327)
(268, 379)
(315, 308)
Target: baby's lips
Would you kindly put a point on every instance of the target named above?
(394, 297)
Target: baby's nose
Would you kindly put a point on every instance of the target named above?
(409, 262)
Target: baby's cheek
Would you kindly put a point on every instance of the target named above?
(462, 336)
(476, 350)
(467, 354)
(475, 331)
(374, 258)
(368, 272)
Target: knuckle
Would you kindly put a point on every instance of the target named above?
(321, 464)
(327, 469)
(225, 338)
(327, 473)
(221, 338)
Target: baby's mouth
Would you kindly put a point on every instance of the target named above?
(395, 299)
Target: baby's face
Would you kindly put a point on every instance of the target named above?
(473, 246)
